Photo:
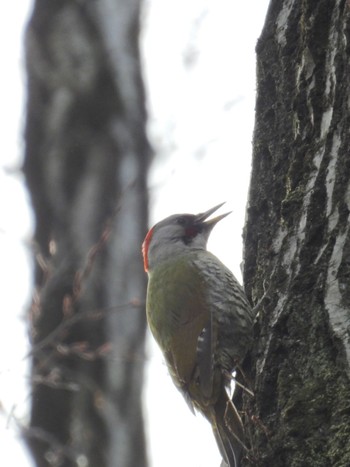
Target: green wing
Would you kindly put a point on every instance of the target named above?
(177, 313)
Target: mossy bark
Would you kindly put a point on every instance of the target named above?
(297, 238)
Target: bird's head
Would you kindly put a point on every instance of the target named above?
(176, 234)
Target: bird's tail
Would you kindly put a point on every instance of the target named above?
(228, 430)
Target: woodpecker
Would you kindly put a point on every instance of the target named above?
(201, 319)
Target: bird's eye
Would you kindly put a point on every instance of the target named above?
(182, 221)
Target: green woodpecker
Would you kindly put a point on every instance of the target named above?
(201, 319)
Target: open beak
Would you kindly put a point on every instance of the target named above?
(200, 218)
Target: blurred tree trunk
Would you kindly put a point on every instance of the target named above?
(86, 163)
(297, 237)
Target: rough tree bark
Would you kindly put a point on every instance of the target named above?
(85, 163)
(297, 242)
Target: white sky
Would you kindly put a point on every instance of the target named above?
(14, 228)
(200, 72)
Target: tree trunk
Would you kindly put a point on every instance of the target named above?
(297, 242)
(85, 163)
